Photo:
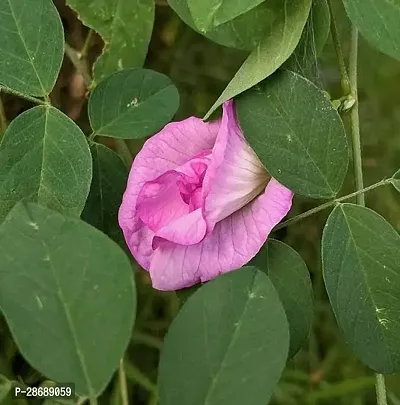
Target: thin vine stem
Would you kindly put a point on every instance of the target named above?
(135, 375)
(16, 93)
(357, 162)
(122, 383)
(354, 116)
(380, 389)
(93, 401)
(79, 63)
(345, 80)
(87, 44)
(124, 151)
(328, 204)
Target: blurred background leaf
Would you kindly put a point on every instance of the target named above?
(125, 27)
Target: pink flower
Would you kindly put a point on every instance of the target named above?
(199, 202)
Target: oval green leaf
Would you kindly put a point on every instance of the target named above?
(280, 41)
(228, 343)
(296, 133)
(44, 158)
(243, 32)
(31, 45)
(291, 279)
(67, 293)
(133, 103)
(378, 23)
(105, 196)
(395, 180)
(361, 267)
(207, 14)
(124, 25)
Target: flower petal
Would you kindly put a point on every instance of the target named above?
(186, 230)
(173, 146)
(160, 202)
(233, 242)
(240, 176)
(235, 175)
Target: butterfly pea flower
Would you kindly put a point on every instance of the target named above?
(199, 202)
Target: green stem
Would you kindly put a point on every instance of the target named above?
(93, 401)
(135, 375)
(345, 81)
(153, 399)
(3, 118)
(86, 45)
(354, 116)
(380, 390)
(147, 340)
(123, 151)
(328, 204)
(357, 162)
(79, 63)
(35, 100)
(122, 383)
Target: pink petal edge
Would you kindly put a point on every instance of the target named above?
(170, 148)
(233, 243)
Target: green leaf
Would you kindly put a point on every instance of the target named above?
(378, 22)
(395, 180)
(282, 38)
(44, 158)
(314, 37)
(134, 103)
(291, 279)
(67, 294)
(31, 45)
(228, 343)
(361, 266)
(243, 32)
(207, 14)
(108, 186)
(296, 133)
(124, 25)
(5, 387)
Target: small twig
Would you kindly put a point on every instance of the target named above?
(81, 400)
(79, 63)
(328, 204)
(345, 81)
(380, 389)
(123, 151)
(35, 100)
(122, 383)
(87, 44)
(354, 116)
(147, 340)
(135, 375)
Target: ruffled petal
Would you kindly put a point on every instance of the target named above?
(235, 175)
(187, 230)
(160, 202)
(173, 146)
(240, 176)
(233, 243)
